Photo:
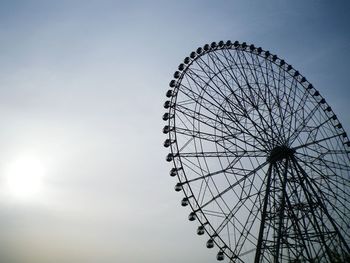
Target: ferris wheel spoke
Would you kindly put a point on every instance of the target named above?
(238, 100)
(211, 104)
(244, 236)
(212, 123)
(313, 228)
(229, 169)
(316, 192)
(329, 176)
(203, 135)
(316, 161)
(188, 163)
(217, 104)
(212, 181)
(234, 77)
(303, 124)
(207, 121)
(313, 129)
(236, 154)
(281, 115)
(216, 139)
(330, 191)
(289, 109)
(317, 141)
(322, 151)
(241, 240)
(329, 185)
(241, 202)
(186, 102)
(270, 126)
(238, 182)
(184, 119)
(210, 174)
(208, 212)
(256, 63)
(285, 107)
(233, 211)
(304, 221)
(313, 234)
(282, 86)
(297, 225)
(204, 186)
(268, 97)
(306, 235)
(185, 144)
(204, 120)
(300, 107)
(236, 110)
(214, 90)
(235, 174)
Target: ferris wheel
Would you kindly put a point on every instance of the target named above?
(260, 157)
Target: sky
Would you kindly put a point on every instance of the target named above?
(82, 85)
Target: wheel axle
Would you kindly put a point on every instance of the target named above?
(279, 153)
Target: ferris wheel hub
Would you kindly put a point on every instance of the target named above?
(279, 153)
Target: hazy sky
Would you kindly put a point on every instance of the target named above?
(82, 85)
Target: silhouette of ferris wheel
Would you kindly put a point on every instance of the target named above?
(261, 158)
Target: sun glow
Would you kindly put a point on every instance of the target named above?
(24, 178)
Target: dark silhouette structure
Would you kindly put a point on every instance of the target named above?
(261, 158)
